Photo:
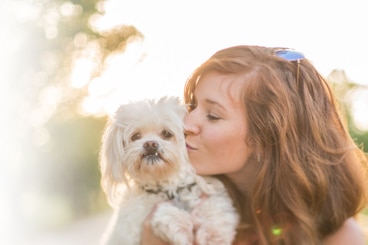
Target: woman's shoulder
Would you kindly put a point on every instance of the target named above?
(349, 233)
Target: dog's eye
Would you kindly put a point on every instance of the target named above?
(135, 137)
(167, 134)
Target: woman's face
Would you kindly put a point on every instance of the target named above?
(216, 126)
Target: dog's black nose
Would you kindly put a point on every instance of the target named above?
(150, 146)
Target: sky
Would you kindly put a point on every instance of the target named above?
(180, 35)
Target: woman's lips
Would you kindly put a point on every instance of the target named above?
(189, 147)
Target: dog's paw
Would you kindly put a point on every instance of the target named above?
(215, 221)
(173, 224)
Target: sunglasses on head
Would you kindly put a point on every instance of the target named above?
(291, 55)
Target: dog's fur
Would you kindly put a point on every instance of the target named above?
(144, 163)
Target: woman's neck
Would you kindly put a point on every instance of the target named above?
(244, 178)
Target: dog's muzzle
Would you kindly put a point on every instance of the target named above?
(151, 147)
(151, 151)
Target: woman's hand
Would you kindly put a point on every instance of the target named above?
(148, 237)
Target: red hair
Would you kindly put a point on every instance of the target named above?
(312, 176)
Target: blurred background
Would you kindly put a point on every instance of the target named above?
(66, 65)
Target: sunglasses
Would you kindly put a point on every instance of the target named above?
(291, 55)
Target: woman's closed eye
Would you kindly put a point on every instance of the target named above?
(213, 117)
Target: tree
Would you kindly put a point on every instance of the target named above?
(54, 146)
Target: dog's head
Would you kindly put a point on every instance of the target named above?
(144, 142)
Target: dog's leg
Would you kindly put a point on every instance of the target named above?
(173, 224)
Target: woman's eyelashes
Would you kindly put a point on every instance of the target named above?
(212, 117)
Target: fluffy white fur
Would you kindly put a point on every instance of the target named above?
(144, 162)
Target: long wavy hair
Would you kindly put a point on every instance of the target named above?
(311, 175)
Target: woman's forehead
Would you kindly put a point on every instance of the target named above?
(215, 86)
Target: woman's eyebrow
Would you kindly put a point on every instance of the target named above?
(215, 103)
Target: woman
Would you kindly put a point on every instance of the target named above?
(266, 123)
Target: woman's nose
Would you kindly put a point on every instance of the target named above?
(191, 125)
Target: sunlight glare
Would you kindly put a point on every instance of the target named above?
(70, 9)
(80, 40)
(40, 136)
(91, 106)
(51, 95)
(81, 73)
(359, 109)
(100, 87)
(26, 11)
(117, 81)
(40, 116)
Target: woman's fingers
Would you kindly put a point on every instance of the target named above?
(148, 237)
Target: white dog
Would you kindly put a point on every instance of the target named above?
(144, 162)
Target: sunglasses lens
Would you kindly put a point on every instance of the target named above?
(289, 55)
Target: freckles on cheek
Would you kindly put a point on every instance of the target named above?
(234, 153)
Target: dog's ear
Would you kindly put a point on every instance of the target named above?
(111, 155)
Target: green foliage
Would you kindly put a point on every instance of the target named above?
(64, 173)
(70, 162)
(59, 146)
(345, 91)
